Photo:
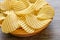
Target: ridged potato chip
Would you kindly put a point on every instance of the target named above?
(10, 23)
(39, 3)
(14, 5)
(46, 12)
(28, 10)
(2, 16)
(32, 8)
(26, 2)
(32, 1)
(25, 27)
(2, 6)
(44, 22)
(24, 14)
(6, 5)
(33, 22)
(18, 5)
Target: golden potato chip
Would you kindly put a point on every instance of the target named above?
(2, 16)
(18, 5)
(44, 22)
(28, 10)
(2, 6)
(26, 2)
(39, 3)
(25, 14)
(10, 23)
(46, 12)
(31, 8)
(32, 1)
(7, 5)
(33, 22)
(25, 27)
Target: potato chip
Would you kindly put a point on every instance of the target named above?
(32, 1)
(25, 2)
(44, 22)
(10, 23)
(33, 22)
(18, 5)
(46, 12)
(24, 14)
(39, 3)
(25, 27)
(25, 11)
(2, 16)
(7, 5)
(2, 6)
(31, 8)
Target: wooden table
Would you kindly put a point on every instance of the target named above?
(51, 33)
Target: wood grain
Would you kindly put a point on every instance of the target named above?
(51, 33)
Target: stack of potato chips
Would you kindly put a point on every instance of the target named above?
(29, 15)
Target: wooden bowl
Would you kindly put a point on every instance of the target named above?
(22, 33)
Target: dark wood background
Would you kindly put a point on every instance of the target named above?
(51, 33)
